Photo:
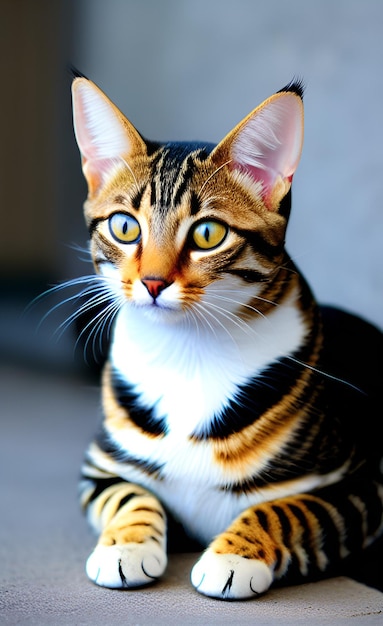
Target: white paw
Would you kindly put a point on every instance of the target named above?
(124, 566)
(229, 576)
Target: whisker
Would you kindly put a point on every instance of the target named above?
(131, 171)
(201, 316)
(97, 327)
(74, 282)
(95, 293)
(91, 288)
(213, 174)
(232, 318)
(82, 250)
(326, 374)
(246, 293)
(244, 305)
(229, 316)
(94, 302)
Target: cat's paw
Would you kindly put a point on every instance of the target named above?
(125, 566)
(229, 576)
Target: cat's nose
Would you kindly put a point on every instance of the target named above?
(154, 286)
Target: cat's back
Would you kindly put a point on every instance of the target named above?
(353, 356)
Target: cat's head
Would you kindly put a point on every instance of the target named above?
(175, 226)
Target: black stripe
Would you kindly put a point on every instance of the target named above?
(154, 165)
(189, 171)
(306, 540)
(195, 204)
(330, 533)
(114, 450)
(151, 146)
(285, 205)
(136, 199)
(142, 416)
(262, 519)
(255, 398)
(128, 498)
(153, 193)
(100, 485)
(164, 179)
(259, 244)
(285, 524)
(249, 276)
(93, 225)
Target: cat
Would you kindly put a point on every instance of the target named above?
(239, 415)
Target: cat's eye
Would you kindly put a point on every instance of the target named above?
(209, 234)
(124, 228)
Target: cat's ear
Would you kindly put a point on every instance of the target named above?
(265, 147)
(103, 133)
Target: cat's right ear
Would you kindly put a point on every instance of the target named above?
(103, 133)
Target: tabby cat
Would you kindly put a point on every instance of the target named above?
(236, 410)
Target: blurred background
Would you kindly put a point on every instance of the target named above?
(187, 69)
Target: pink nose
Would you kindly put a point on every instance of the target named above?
(154, 286)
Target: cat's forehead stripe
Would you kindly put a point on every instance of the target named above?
(172, 170)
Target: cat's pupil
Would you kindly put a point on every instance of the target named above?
(207, 233)
(125, 227)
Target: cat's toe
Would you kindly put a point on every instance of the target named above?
(229, 576)
(125, 566)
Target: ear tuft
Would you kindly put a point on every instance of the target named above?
(74, 72)
(296, 86)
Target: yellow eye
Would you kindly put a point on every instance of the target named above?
(209, 234)
(124, 228)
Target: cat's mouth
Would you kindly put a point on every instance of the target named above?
(157, 312)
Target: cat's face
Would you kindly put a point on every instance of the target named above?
(188, 229)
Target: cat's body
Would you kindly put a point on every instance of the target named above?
(231, 400)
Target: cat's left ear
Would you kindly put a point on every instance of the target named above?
(265, 147)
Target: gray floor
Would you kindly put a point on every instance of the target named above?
(46, 422)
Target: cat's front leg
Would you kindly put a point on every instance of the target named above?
(131, 550)
(281, 538)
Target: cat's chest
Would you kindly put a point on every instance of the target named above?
(186, 376)
(184, 379)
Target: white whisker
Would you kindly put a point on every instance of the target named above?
(131, 171)
(241, 304)
(202, 315)
(95, 301)
(97, 293)
(232, 318)
(322, 373)
(97, 325)
(94, 286)
(213, 174)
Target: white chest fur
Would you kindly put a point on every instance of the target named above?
(188, 374)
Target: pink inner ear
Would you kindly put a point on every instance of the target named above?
(268, 145)
(99, 132)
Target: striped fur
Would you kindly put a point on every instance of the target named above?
(232, 401)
